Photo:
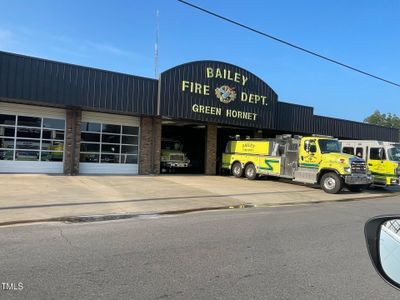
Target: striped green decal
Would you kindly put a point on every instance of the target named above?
(268, 162)
(309, 165)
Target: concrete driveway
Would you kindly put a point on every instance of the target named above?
(27, 197)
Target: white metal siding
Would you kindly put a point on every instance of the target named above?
(107, 168)
(31, 111)
(88, 116)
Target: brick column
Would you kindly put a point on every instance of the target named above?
(72, 142)
(150, 146)
(211, 150)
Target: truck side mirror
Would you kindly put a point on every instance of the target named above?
(307, 146)
(381, 153)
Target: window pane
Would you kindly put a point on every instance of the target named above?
(90, 147)
(94, 158)
(53, 134)
(52, 145)
(52, 156)
(111, 128)
(53, 123)
(7, 119)
(129, 149)
(110, 148)
(27, 155)
(348, 150)
(111, 138)
(359, 152)
(28, 144)
(90, 137)
(29, 121)
(130, 130)
(89, 126)
(129, 140)
(128, 159)
(6, 143)
(110, 158)
(28, 132)
(375, 153)
(7, 131)
(6, 154)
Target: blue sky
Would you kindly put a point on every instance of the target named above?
(119, 36)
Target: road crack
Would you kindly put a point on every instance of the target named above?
(65, 238)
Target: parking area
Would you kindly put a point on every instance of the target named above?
(36, 197)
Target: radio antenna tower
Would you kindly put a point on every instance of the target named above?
(156, 44)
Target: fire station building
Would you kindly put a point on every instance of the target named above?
(67, 119)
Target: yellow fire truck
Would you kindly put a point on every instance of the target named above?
(314, 160)
(383, 159)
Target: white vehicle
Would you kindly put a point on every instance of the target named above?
(383, 158)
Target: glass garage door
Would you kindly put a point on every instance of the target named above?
(30, 144)
(109, 148)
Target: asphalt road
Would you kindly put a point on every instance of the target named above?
(299, 252)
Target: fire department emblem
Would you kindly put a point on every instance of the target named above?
(225, 94)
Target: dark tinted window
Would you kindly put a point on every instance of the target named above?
(53, 123)
(7, 119)
(360, 152)
(53, 134)
(374, 153)
(52, 156)
(110, 158)
(94, 158)
(109, 148)
(29, 121)
(88, 126)
(129, 140)
(52, 145)
(27, 155)
(130, 159)
(28, 132)
(111, 128)
(130, 130)
(28, 144)
(90, 137)
(7, 131)
(6, 143)
(111, 138)
(129, 149)
(348, 150)
(90, 147)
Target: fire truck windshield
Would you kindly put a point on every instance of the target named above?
(394, 153)
(328, 146)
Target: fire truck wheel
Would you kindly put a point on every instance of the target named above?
(237, 169)
(250, 172)
(331, 183)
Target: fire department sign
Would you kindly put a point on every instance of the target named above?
(216, 92)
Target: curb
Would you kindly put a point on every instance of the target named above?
(122, 216)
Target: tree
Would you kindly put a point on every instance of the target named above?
(388, 119)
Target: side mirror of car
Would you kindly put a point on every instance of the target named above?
(307, 146)
(382, 235)
(381, 153)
